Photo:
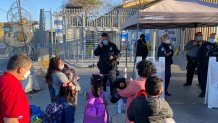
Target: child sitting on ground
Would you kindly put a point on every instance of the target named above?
(151, 108)
(95, 107)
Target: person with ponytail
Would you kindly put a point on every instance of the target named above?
(95, 107)
(63, 109)
(68, 97)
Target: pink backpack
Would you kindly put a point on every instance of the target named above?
(95, 111)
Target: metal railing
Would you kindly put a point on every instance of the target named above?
(82, 30)
(78, 17)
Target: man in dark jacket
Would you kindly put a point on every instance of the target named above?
(205, 51)
(142, 49)
(192, 48)
(108, 62)
(166, 50)
(151, 108)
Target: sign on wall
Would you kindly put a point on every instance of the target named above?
(58, 25)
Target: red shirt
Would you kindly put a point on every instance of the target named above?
(13, 101)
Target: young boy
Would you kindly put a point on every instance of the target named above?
(151, 108)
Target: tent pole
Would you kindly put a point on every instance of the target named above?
(134, 67)
(216, 29)
(154, 42)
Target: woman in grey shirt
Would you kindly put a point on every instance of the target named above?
(55, 77)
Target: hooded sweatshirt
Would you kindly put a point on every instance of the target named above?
(151, 109)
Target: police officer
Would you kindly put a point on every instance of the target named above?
(142, 49)
(108, 62)
(165, 50)
(213, 52)
(192, 48)
(207, 50)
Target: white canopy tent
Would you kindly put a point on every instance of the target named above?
(175, 14)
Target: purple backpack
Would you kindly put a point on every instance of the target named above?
(95, 111)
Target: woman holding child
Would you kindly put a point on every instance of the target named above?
(57, 74)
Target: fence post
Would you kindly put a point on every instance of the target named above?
(77, 51)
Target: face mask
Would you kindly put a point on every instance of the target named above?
(105, 42)
(199, 38)
(211, 40)
(167, 41)
(61, 67)
(26, 74)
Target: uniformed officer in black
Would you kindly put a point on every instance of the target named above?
(165, 50)
(142, 49)
(108, 61)
(192, 48)
(207, 50)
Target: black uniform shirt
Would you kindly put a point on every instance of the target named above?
(104, 64)
(166, 50)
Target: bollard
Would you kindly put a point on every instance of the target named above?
(125, 73)
(92, 57)
(119, 106)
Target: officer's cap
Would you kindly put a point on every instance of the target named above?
(142, 35)
(104, 35)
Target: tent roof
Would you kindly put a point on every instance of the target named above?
(175, 14)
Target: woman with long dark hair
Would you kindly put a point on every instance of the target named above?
(55, 77)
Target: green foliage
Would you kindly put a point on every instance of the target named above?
(89, 3)
(90, 47)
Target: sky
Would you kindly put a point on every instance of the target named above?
(33, 6)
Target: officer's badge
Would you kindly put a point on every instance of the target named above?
(111, 48)
(162, 49)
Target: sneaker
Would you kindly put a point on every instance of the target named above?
(187, 84)
(33, 91)
(168, 94)
(201, 95)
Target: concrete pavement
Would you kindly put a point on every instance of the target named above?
(42, 98)
(187, 107)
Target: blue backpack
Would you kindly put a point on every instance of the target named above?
(54, 112)
(36, 111)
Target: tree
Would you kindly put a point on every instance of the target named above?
(87, 3)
